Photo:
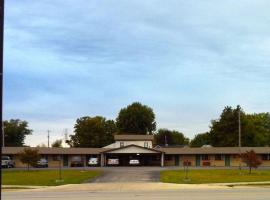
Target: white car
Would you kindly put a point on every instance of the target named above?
(76, 161)
(113, 161)
(134, 162)
(42, 163)
(7, 162)
(93, 162)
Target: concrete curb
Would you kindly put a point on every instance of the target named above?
(23, 187)
(241, 183)
(130, 186)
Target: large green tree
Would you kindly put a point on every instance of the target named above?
(255, 128)
(200, 140)
(170, 137)
(57, 143)
(92, 132)
(136, 119)
(15, 131)
(224, 131)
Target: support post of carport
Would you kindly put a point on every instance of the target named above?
(102, 160)
(162, 159)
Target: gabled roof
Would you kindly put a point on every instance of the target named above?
(133, 137)
(129, 146)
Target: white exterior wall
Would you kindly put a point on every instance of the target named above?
(133, 149)
(126, 143)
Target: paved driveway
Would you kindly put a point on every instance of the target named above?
(128, 174)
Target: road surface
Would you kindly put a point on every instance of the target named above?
(180, 194)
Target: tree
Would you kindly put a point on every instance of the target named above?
(200, 140)
(42, 145)
(173, 137)
(92, 132)
(251, 159)
(15, 131)
(136, 119)
(224, 132)
(57, 143)
(255, 128)
(29, 156)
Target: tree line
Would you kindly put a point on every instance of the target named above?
(137, 118)
(255, 130)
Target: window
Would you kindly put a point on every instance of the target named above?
(186, 163)
(236, 156)
(168, 157)
(265, 157)
(122, 144)
(205, 157)
(218, 157)
(146, 144)
(55, 157)
(44, 156)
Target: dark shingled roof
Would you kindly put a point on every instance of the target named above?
(166, 150)
(53, 150)
(133, 137)
(213, 150)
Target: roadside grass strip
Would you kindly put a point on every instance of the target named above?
(47, 177)
(213, 176)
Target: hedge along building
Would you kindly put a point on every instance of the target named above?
(127, 147)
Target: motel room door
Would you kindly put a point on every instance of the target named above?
(227, 160)
(198, 160)
(65, 160)
(176, 160)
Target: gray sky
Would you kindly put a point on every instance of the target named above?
(187, 60)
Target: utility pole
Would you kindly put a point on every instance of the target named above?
(1, 70)
(3, 133)
(1, 81)
(239, 139)
(166, 143)
(48, 137)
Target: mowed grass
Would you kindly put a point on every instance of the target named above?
(214, 176)
(47, 177)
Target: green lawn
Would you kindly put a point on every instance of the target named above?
(214, 176)
(46, 177)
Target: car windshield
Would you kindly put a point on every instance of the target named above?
(76, 158)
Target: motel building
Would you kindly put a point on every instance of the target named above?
(141, 148)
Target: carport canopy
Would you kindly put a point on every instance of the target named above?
(131, 149)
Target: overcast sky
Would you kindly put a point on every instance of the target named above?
(187, 60)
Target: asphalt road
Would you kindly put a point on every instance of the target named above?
(129, 174)
(182, 194)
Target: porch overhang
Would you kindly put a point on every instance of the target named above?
(132, 149)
